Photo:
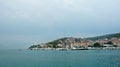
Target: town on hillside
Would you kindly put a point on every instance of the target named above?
(111, 41)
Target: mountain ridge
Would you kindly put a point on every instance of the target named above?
(109, 36)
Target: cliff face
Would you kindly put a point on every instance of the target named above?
(71, 41)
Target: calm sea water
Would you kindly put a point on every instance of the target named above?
(39, 58)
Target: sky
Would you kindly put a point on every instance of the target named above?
(27, 22)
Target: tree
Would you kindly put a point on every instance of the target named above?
(115, 45)
(96, 45)
(109, 42)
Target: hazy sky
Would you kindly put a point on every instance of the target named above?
(27, 22)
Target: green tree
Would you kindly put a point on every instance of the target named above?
(115, 45)
(109, 42)
(96, 45)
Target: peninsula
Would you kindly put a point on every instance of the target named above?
(109, 41)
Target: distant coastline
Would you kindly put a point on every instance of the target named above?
(109, 41)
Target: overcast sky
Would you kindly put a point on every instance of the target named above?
(27, 22)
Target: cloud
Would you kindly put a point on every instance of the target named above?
(29, 9)
(46, 20)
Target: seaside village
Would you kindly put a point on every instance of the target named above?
(84, 44)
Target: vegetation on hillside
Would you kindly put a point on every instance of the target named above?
(108, 36)
(67, 40)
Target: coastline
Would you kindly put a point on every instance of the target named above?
(88, 48)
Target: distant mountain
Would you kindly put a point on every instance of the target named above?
(108, 36)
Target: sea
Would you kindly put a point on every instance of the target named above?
(53, 58)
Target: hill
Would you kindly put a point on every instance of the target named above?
(67, 41)
(108, 36)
